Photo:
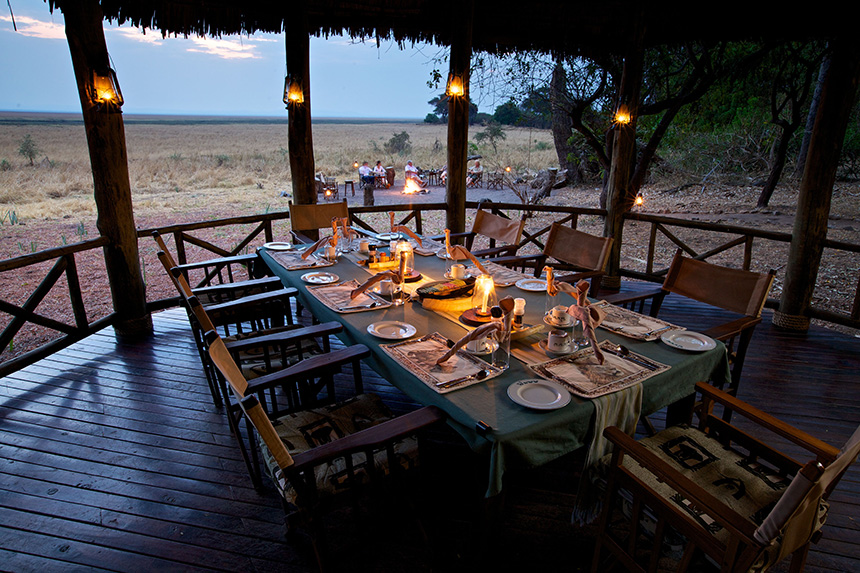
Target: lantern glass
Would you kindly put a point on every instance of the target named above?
(106, 88)
(404, 250)
(484, 295)
(293, 92)
(622, 116)
(455, 86)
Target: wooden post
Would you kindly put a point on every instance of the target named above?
(109, 161)
(458, 118)
(619, 196)
(816, 187)
(299, 133)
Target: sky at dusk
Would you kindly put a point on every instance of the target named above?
(234, 75)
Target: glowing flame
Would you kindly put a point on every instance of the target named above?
(639, 201)
(411, 187)
(622, 116)
(508, 169)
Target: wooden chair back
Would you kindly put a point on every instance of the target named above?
(317, 216)
(577, 248)
(735, 290)
(250, 405)
(178, 278)
(498, 228)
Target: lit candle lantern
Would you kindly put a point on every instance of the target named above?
(106, 88)
(484, 295)
(404, 251)
(455, 86)
(293, 92)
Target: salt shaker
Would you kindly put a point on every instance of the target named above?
(519, 311)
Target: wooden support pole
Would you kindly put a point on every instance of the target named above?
(299, 133)
(458, 117)
(816, 187)
(619, 196)
(109, 161)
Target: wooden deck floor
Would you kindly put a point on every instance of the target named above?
(112, 457)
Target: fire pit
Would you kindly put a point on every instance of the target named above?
(412, 188)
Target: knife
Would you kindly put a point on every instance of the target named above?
(360, 306)
(632, 359)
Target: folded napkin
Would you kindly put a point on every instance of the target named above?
(318, 245)
(395, 276)
(460, 253)
(589, 316)
(503, 327)
(407, 231)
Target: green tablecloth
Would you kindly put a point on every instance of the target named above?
(519, 437)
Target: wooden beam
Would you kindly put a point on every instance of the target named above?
(458, 117)
(109, 160)
(619, 195)
(816, 187)
(299, 133)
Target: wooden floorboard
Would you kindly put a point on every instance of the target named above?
(113, 458)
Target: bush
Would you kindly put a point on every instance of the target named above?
(399, 144)
(29, 149)
(5, 165)
(432, 118)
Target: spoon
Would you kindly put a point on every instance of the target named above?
(479, 375)
(624, 352)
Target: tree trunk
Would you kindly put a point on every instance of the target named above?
(368, 195)
(109, 160)
(780, 153)
(299, 134)
(810, 118)
(562, 125)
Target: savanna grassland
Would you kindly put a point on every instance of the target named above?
(187, 169)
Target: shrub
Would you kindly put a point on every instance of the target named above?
(399, 144)
(29, 149)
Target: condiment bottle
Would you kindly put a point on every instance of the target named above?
(519, 311)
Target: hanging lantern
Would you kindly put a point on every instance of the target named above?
(105, 88)
(456, 85)
(355, 164)
(640, 200)
(293, 92)
(622, 116)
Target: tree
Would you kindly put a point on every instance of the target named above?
(793, 68)
(399, 144)
(508, 113)
(440, 107)
(492, 133)
(29, 149)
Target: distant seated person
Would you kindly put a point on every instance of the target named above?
(443, 175)
(475, 174)
(412, 173)
(365, 174)
(379, 174)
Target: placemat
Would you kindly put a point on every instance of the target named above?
(633, 324)
(419, 357)
(292, 260)
(580, 373)
(336, 297)
(502, 276)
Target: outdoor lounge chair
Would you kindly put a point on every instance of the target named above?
(724, 496)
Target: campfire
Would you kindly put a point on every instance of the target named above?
(412, 187)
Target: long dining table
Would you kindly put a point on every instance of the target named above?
(510, 435)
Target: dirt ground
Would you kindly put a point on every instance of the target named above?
(837, 284)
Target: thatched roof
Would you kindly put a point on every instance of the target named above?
(567, 26)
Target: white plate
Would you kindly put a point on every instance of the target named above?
(554, 354)
(532, 285)
(549, 321)
(391, 329)
(276, 246)
(686, 340)
(320, 278)
(539, 394)
(388, 236)
(466, 276)
(488, 347)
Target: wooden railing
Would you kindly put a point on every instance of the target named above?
(186, 238)
(64, 263)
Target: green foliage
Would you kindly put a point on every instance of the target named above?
(221, 160)
(542, 145)
(432, 118)
(5, 165)
(398, 144)
(508, 113)
(28, 149)
(492, 134)
(10, 215)
(81, 230)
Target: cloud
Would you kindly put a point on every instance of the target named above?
(37, 28)
(226, 49)
(135, 34)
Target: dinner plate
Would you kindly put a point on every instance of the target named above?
(539, 394)
(388, 236)
(391, 329)
(549, 321)
(320, 278)
(553, 353)
(686, 340)
(279, 246)
(532, 285)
